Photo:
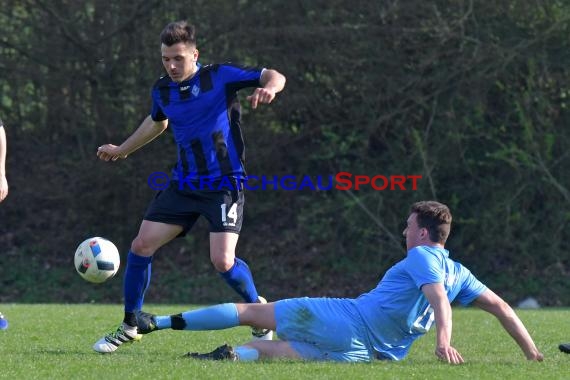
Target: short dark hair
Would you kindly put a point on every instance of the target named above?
(178, 31)
(435, 217)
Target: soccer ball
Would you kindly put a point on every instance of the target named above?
(97, 259)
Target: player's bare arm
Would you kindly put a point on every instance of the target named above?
(272, 82)
(437, 297)
(492, 303)
(3, 180)
(145, 133)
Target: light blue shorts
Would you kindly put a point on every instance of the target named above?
(323, 329)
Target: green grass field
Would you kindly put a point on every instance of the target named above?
(50, 341)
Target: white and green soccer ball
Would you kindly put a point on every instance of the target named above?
(97, 259)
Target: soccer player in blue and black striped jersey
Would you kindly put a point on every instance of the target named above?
(200, 105)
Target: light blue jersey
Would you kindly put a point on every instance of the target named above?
(380, 324)
(397, 312)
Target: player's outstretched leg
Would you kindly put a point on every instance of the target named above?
(192, 320)
(217, 317)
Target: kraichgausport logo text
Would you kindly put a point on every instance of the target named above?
(342, 181)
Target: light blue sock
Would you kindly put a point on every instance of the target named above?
(163, 321)
(246, 354)
(216, 317)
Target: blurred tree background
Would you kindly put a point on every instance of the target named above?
(471, 95)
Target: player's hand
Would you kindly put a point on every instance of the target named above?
(3, 188)
(261, 95)
(110, 152)
(448, 354)
(536, 356)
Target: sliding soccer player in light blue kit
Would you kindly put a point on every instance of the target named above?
(414, 295)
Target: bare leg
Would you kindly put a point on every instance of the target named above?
(152, 236)
(257, 315)
(223, 250)
(273, 349)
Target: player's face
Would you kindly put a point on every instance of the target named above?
(413, 233)
(179, 60)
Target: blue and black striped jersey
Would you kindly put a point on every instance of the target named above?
(204, 115)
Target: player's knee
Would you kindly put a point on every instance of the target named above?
(223, 263)
(142, 246)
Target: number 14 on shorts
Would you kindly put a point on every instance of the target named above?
(231, 215)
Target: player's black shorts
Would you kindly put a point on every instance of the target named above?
(183, 207)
